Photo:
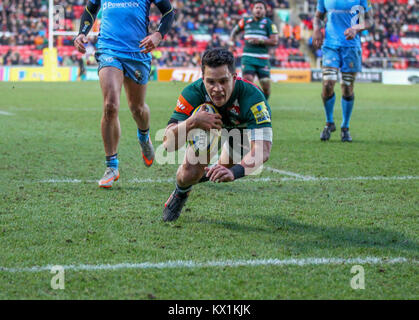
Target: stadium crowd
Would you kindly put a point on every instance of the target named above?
(207, 23)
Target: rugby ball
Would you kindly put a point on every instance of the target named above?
(203, 141)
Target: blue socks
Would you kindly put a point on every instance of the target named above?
(143, 135)
(112, 161)
(329, 105)
(347, 106)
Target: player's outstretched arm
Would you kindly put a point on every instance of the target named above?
(176, 133)
(366, 21)
(152, 41)
(86, 23)
(318, 24)
(258, 155)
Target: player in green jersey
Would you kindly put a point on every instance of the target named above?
(243, 110)
(259, 34)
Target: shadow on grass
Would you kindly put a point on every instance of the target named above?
(311, 236)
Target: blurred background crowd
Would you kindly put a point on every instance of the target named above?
(392, 43)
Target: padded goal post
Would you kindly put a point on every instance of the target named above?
(56, 20)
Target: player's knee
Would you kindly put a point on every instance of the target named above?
(188, 174)
(347, 83)
(110, 109)
(347, 91)
(328, 88)
(265, 84)
(139, 109)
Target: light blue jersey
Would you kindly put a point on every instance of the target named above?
(124, 24)
(341, 15)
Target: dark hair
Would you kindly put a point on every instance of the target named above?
(262, 2)
(217, 57)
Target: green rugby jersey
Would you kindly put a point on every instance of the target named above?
(261, 29)
(247, 107)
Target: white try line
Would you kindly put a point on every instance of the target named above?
(247, 180)
(220, 263)
(290, 173)
(5, 113)
(149, 180)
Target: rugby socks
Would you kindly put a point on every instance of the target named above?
(347, 106)
(112, 161)
(143, 135)
(329, 105)
(183, 192)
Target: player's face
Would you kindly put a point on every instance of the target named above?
(259, 11)
(219, 83)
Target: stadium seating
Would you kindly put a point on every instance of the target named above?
(394, 41)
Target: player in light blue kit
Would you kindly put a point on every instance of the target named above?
(124, 58)
(341, 50)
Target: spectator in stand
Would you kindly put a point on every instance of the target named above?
(25, 22)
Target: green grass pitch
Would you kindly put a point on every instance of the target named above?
(50, 134)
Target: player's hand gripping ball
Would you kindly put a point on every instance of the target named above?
(203, 141)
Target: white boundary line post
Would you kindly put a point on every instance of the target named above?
(51, 25)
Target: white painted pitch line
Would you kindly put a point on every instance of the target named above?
(221, 263)
(376, 178)
(290, 173)
(149, 180)
(5, 113)
(247, 180)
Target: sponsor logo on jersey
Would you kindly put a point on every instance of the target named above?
(234, 114)
(261, 113)
(235, 110)
(111, 5)
(183, 106)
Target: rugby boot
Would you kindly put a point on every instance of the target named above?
(173, 206)
(111, 175)
(147, 152)
(345, 135)
(328, 129)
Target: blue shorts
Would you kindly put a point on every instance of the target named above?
(347, 59)
(130, 63)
